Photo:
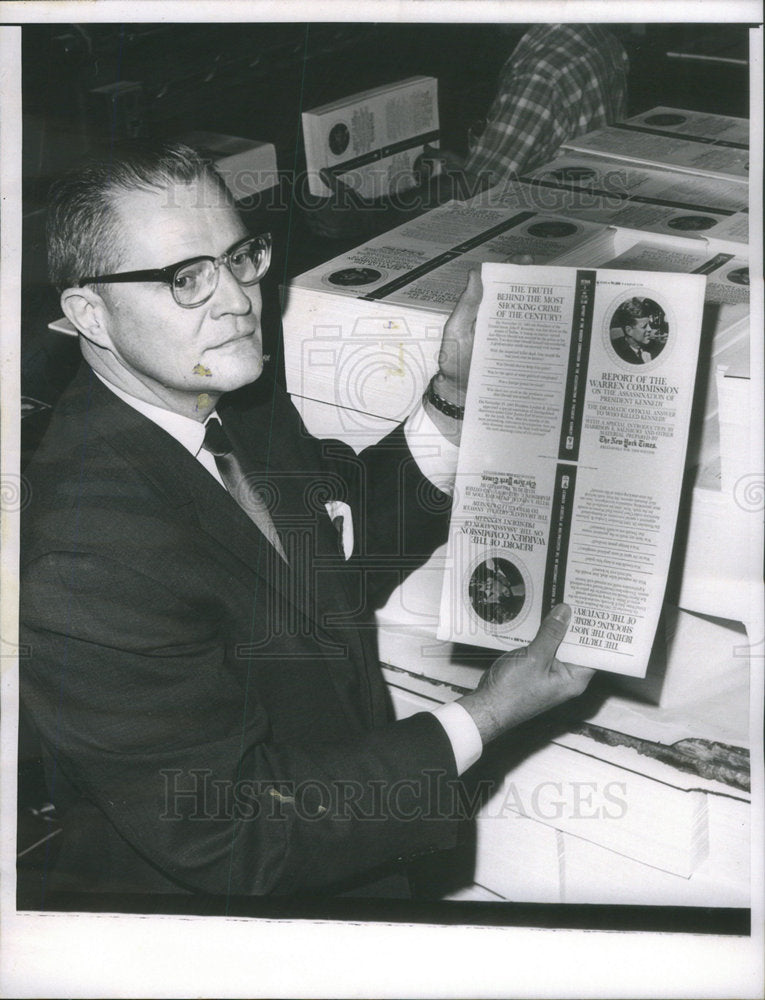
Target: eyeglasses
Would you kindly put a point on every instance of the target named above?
(193, 281)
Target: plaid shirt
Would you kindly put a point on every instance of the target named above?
(561, 81)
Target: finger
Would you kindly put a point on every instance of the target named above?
(551, 632)
(464, 312)
(522, 258)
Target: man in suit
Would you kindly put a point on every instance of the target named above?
(639, 341)
(196, 594)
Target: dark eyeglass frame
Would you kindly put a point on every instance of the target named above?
(166, 275)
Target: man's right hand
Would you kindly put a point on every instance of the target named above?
(526, 681)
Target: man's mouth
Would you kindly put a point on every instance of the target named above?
(240, 336)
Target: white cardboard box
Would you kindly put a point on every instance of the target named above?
(246, 165)
(370, 141)
(362, 331)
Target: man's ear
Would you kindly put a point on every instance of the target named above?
(87, 311)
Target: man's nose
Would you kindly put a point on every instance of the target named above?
(231, 297)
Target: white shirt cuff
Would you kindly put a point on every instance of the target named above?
(462, 732)
(435, 456)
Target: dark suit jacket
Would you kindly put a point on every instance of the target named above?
(623, 349)
(214, 722)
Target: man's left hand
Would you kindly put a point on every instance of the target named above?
(457, 339)
(457, 343)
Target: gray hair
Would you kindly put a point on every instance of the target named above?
(84, 233)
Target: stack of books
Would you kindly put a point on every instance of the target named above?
(686, 141)
(371, 141)
(643, 198)
(362, 331)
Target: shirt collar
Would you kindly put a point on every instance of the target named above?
(186, 431)
(641, 352)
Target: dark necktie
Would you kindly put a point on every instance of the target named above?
(244, 492)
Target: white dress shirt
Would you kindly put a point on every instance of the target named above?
(437, 460)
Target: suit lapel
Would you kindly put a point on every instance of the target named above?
(305, 530)
(285, 460)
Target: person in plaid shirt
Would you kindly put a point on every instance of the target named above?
(561, 80)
